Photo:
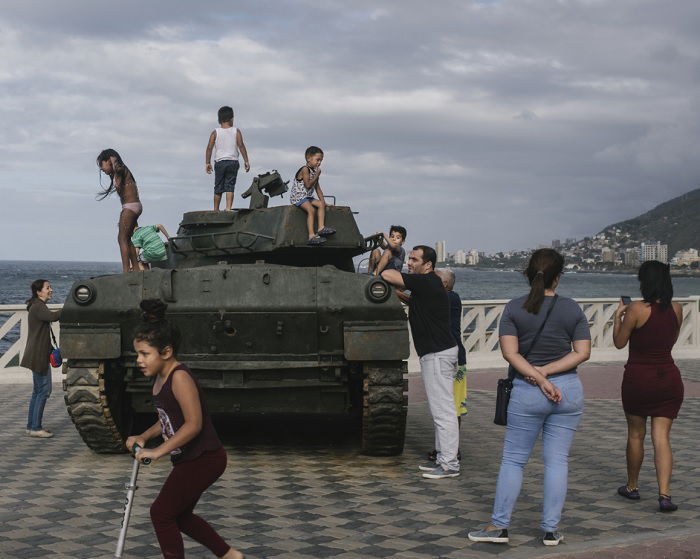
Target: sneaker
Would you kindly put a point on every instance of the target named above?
(666, 505)
(427, 466)
(628, 493)
(493, 536)
(42, 434)
(316, 240)
(432, 455)
(440, 473)
(552, 538)
(325, 232)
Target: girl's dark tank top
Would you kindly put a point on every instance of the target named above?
(171, 420)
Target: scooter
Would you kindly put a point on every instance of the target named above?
(131, 488)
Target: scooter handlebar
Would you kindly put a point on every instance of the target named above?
(135, 449)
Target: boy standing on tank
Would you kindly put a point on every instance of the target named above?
(228, 142)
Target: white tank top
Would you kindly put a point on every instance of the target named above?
(226, 145)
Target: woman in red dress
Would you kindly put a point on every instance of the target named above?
(652, 384)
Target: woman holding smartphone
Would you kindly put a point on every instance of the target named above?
(652, 385)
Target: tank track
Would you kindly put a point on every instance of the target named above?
(88, 407)
(385, 403)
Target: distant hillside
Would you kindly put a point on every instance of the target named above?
(676, 223)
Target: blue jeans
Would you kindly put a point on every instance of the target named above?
(530, 412)
(41, 393)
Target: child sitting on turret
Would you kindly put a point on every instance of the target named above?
(394, 254)
(149, 246)
(302, 196)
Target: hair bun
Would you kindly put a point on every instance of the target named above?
(153, 310)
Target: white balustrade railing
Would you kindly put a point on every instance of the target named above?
(479, 331)
(15, 317)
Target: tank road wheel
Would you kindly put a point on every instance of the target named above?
(98, 405)
(385, 402)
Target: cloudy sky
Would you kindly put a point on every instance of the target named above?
(493, 125)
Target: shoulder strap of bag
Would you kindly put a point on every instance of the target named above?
(53, 338)
(511, 370)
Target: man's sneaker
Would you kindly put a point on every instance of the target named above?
(325, 232)
(552, 538)
(432, 455)
(666, 505)
(440, 473)
(41, 434)
(494, 536)
(628, 493)
(428, 466)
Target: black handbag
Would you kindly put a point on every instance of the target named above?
(505, 385)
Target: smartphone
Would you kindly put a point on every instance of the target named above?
(625, 299)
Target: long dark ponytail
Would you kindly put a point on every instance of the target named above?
(118, 169)
(543, 269)
(156, 330)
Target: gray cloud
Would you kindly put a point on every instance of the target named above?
(492, 125)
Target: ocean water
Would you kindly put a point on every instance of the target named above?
(16, 277)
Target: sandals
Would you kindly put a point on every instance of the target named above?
(325, 232)
(627, 493)
(666, 505)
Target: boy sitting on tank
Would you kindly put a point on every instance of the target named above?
(302, 196)
(393, 256)
(149, 246)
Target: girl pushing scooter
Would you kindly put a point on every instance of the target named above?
(189, 438)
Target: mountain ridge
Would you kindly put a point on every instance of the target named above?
(674, 222)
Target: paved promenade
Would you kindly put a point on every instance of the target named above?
(294, 490)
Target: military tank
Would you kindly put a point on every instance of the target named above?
(269, 325)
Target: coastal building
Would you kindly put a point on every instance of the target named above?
(467, 257)
(686, 257)
(653, 251)
(441, 250)
(556, 243)
(607, 255)
(631, 257)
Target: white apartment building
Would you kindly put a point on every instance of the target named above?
(653, 251)
(467, 257)
(441, 250)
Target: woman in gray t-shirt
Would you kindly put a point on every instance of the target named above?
(547, 396)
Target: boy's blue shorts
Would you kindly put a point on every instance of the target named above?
(300, 202)
(225, 173)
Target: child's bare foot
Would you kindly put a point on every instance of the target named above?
(233, 554)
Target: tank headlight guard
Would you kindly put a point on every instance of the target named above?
(84, 294)
(378, 291)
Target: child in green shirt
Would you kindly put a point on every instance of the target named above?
(149, 246)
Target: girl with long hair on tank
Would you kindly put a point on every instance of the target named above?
(123, 183)
(188, 435)
(547, 395)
